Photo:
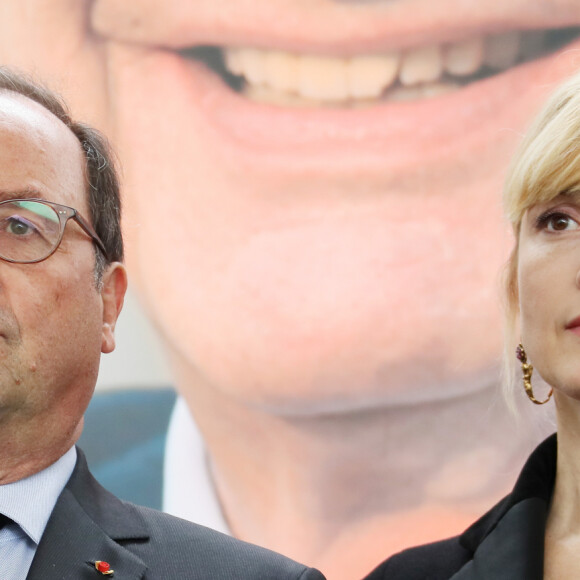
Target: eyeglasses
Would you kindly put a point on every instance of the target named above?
(31, 229)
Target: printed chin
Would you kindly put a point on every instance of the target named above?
(333, 314)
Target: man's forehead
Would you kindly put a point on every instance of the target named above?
(34, 143)
(20, 113)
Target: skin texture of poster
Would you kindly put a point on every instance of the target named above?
(313, 223)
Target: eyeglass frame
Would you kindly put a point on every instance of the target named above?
(64, 213)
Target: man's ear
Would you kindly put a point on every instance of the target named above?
(114, 286)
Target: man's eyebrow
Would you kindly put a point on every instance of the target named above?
(26, 193)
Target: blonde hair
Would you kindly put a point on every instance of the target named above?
(546, 164)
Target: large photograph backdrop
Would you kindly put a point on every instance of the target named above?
(313, 224)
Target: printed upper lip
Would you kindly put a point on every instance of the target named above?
(331, 29)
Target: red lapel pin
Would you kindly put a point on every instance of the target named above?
(104, 568)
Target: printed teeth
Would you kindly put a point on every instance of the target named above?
(422, 65)
(300, 79)
(297, 79)
(369, 76)
(315, 77)
(464, 58)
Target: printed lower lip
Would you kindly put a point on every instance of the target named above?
(388, 134)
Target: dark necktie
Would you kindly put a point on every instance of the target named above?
(4, 520)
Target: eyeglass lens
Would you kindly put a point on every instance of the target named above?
(29, 230)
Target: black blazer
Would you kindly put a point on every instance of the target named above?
(88, 523)
(507, 543)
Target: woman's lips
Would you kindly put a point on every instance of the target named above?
(574, 325)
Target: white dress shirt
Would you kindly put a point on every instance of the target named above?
(29, 503)
(188, 490)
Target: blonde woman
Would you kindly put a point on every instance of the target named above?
(535, 531)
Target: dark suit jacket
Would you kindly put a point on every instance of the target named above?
(507, 543)
(88, 523)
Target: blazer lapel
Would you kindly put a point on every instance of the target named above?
(86, 525)
(514, 549)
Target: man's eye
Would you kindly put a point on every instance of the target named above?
(19, 227)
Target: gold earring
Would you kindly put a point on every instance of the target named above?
(527, 371)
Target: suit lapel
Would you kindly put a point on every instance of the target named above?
(86, 525)
(514, 549)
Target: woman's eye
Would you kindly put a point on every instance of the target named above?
(557, 222)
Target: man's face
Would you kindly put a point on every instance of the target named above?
(307, 243)
(53, 320)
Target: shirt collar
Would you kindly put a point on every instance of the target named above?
(188, 489)
(30, 501)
